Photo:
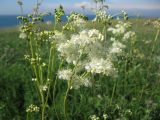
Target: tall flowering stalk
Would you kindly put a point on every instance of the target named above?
(79, 56)
(20, 3)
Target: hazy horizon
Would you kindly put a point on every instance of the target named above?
(143, 7)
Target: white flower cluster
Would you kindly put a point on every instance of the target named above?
(120, 28)
(72, 49)
(105, 116)
(58, 37)
(69, 51)
(129, 35)
(37, 59)
(80, 81)
(156, 23)
(77, 20)
(44, 88)
(34, 79)
(23, 35)
(45, 35)
(121, 37)
(101, 16)
(65, 74)
(77, 81)
(117, 47)
(87, 51)
(94, 117)
(97, 65)
(32, 108)
(95, 35)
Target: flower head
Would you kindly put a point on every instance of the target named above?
(117, 48)
(65, 74)
(97, 65)
(32, 108)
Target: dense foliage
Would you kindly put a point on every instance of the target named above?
(101, 69)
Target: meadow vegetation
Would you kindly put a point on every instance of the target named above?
(105, 69)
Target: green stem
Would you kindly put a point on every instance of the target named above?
(55, 23)
(155, 40)
(37, 82)
(69, 83)
(69, 86)
(66, 94)
(43, 110)
(27, 116)
(149, 67)
(65, 99)
(126, 75)
(113, 91)
(50, 69)
(49, 62)
(54, 89)
(53, 59)
(141, 93)
(84, 75)
(34, 67)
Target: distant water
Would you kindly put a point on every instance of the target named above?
(12, 21)
(8, 21)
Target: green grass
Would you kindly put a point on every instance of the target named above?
(14, 75)
(140, 95)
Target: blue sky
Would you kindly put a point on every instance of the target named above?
(144, 6)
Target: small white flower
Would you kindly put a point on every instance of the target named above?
(78, 82)
(23, 35)
(32, 108)
(95, 35)
(105, 116)
(43, 64)
(27, 57)
(101, 16)
(94, 117)
(59, 37)
(113, 39)
(119, 29)
(117, 48)
(65, 74)
(100, 66)
(69, 50)
(44, 88)
(79, 23)
(34, 79)
(77, 20)
(129, 35)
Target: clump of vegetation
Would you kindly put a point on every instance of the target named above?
(80, 70)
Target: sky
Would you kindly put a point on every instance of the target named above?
(148, 7)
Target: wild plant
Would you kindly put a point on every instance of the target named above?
(71, 58)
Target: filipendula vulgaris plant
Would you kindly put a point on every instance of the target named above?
(122, 41)
(38, 40)
(81, 54)
(88, 53)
